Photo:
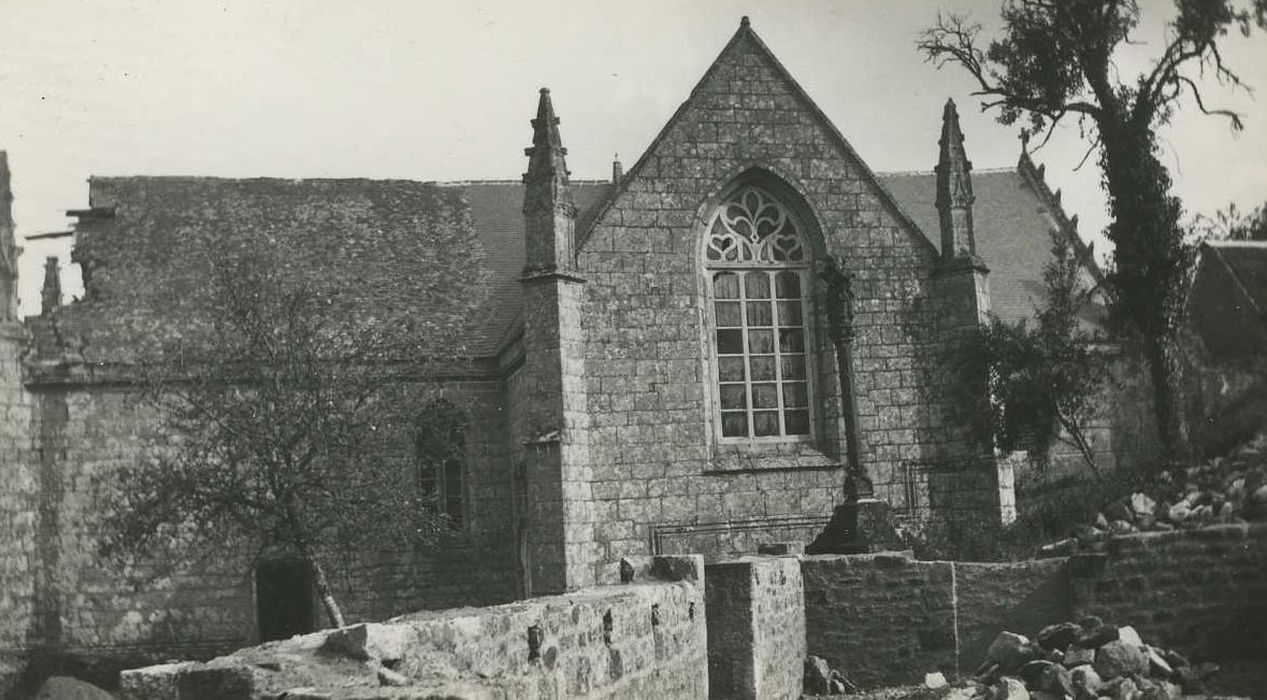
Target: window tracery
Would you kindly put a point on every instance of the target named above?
(758, 275)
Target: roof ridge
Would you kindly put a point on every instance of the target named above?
(930, 173)
(278, 178)
(1229, 243)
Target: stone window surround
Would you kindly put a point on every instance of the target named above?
(771, 452)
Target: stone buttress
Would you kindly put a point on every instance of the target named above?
(557, 524)
(973, 480)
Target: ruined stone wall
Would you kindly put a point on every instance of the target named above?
(89, 618)
(1198, 591)
(643, 639)
(886, 619)
(18, 474)
(659, 474)
(756, 628)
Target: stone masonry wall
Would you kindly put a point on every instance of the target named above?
(655, 460)
(1197, 590)
(90, 619)
(886, 619)
(756, 628)
(643, 639)
(17, 509)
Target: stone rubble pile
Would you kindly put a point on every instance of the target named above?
(1231, 489)
(821, 679)
(1085, 660)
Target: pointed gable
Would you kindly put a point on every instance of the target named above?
(747, 110)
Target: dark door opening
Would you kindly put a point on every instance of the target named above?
(283, 598)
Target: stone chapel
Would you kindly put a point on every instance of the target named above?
(665, 361)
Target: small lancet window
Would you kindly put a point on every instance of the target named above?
(758, 268)
(440, 446)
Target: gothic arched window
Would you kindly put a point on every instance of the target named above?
(758, 268)
(440, 447)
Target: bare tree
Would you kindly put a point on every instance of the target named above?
(273, 417)
(1055, 59)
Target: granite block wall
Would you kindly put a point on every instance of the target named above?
(69, 611)
(1199, 591)
(656, 463)
(643, 639)
(756, 628)
(19, 476)
(887, 619)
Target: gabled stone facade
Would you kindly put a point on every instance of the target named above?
(660, 365)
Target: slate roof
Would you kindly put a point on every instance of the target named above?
(1227, 305)
(396, 242)
(1247, 261)
(1013, 231)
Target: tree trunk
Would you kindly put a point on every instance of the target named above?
(1163, 371)
(333, 612)
(1151, 262)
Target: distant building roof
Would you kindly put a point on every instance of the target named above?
(1014, 226)
(1227, 306)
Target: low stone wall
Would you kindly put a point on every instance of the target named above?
(646, 638)
(1192, 590)
(884, 619)
(756, 628)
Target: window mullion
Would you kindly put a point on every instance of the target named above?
(747, 354)
(775, 327)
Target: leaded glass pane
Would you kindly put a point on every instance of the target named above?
(759, 314)
(726, 285)
(765, 423)
(762, 368)
(756, 285)
(729, 342)
(796, 422)
(729, 314)
(734, 397)
(795, 395)
(793, 367)
(760, 342)
(790, 313)
(730, 369)
(787, 285)
(734, 424)
(765, 396)
(791, 340)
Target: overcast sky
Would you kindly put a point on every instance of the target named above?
(444, 91)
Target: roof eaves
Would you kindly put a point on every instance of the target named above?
(1240, 284)
(1035, 177)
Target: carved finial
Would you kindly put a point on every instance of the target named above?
(618, 170)
(51, 293)
(743, 21)
(547, 176)
(1073, 222)
(8, 247)
(954, 188)
(1042, 172)
(1057, 195)
(549, 210)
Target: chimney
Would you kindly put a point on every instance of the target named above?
(51, 293)
(618, 170)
